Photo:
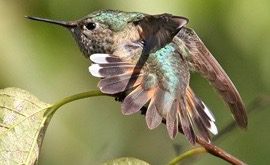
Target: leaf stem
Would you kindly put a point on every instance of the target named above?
(189, 153)
(72, 98)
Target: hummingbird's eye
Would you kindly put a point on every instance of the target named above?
(90, 26)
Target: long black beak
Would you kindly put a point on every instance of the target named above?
(66, 24)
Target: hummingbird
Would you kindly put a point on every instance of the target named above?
(147, 60)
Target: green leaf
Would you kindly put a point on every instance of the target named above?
(124, 161)
(23, 122)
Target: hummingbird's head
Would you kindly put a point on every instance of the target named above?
(101, 31)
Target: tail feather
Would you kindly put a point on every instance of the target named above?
(117, 84)
(106, 59)
(200, 122)
(164, 101)
(152, 117)
(200, 115)
(172, 120)
(167, 108)
(202, 129)
(109, 71)
(185, 122)
(106, 65)
(136, 100)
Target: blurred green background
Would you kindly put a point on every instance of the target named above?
(45, 60)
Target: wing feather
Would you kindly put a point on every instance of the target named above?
(203, 62)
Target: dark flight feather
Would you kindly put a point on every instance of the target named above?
(159, 30)
(204, 63)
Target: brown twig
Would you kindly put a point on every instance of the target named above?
(214, 150)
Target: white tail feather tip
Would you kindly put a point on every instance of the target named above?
(94, 70)
(99, 58)
(208, 112)
(213, 128)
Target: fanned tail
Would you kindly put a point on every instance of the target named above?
(186, 110)
(119, 75)
(115, 73)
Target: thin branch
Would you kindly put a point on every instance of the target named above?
(189, 153)
(207, 148)
(216, 151)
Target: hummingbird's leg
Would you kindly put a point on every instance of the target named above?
(120, 96)
(143, 110)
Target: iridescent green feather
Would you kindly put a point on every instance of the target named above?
(116, 20)
(167, 62)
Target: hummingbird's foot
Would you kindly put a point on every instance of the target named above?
(143, 110)
(120, 97)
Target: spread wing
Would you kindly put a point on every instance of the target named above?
(202, 61)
